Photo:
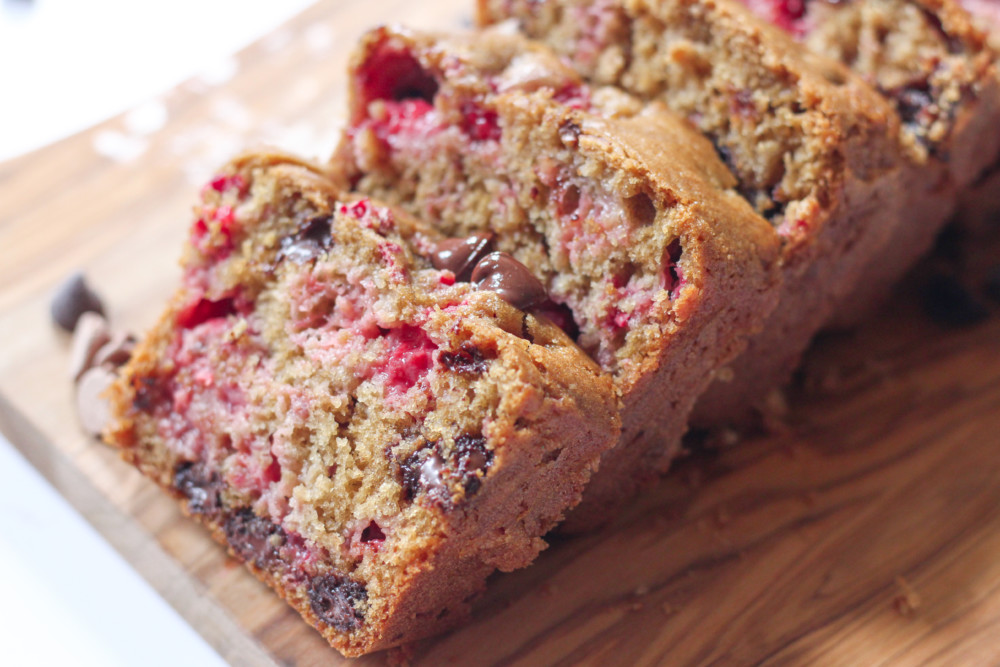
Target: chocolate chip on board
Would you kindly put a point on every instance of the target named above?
(117, 351)
(510, 279)
(71, 300)
(89, 338)
(91, 406)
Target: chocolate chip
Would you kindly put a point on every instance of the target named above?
(310, 241)
(409, 476)
(91, 406)
(471, 457)
(200, 486)
(421, 473)
(460, 256)
(91, 334)
(511, 280)
(430, 475)
(117, 351)
(254, 538)
(948, 302)
(433, 474)
(71, 300)
(337, 601)
(468, 359)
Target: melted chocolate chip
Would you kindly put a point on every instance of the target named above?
(72, 299)
(310, 241)
(460, 256)
(470, 457)
(468, 359)
(254, 538)
(199, 486)
(430, 476)
(430, 473)
(338, 601)
(421, 473)
(511, 280)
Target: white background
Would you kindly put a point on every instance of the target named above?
(66, 597)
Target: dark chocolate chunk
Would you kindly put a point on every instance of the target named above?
(510, 279)
(199, 486)
(409, 476)
(432, 474)
(460, 256)
(421, 473)
(310, 241)
(471, 457)
(117, 351)
(948, 302)
(337, 601)
(254, 539)
(71, 300)
(468, 359)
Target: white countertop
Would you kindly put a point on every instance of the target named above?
(66, 597)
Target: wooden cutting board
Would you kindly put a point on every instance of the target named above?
(866, 531)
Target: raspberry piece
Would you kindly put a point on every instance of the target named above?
(409, 359)
(396, 75)
(203, 310)
(480, 124)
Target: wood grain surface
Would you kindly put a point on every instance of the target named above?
(865, 531)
